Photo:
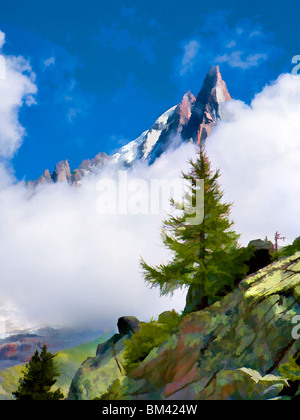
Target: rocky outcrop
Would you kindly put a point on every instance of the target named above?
(98, 373)
(128, 325)
(260, 244)
(239, 340)
(88, 165)
(231, 350)
(63, 173)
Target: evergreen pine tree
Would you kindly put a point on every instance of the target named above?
(39, 376)
(206, 254)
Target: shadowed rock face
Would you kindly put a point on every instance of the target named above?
(191, 120)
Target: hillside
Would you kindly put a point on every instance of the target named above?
(68, 361)
(232, 350)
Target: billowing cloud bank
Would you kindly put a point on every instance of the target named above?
(257, 148)
(17, 88)
(62, 261)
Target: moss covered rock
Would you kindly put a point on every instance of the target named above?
(97, 374)
(249, 330)
(231, 350)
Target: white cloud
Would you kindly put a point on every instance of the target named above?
(16, 88)
(191, 50)
(50, 61)
(63, 262)
(244, 45)
(2, 39)
(235, 59)
(257, 148)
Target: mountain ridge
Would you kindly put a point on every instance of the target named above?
(191, 120)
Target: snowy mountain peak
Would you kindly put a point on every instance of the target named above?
(191, 120)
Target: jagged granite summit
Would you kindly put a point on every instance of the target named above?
(207, 109)
(191, 120)
(230, 351)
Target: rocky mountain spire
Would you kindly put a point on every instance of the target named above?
(62, 172)
(207, 109)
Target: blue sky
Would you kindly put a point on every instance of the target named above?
(106, 70)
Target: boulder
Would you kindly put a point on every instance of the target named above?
(128, 325)
(97, 374)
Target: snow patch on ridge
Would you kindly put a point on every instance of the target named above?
(141, 147)
(129, 152)
(155, 132)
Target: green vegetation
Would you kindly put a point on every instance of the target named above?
(289, 250)
(151, 335)
(113, 393)
(291, 371)
(206, 254)
(68, 362)
(39, 377)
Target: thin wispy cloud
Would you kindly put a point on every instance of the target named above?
(57, 77)
(242, 45)
(191, 50)
(49, 61)
(236, 59)
(2, 39)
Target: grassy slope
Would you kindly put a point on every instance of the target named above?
(68, 362)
